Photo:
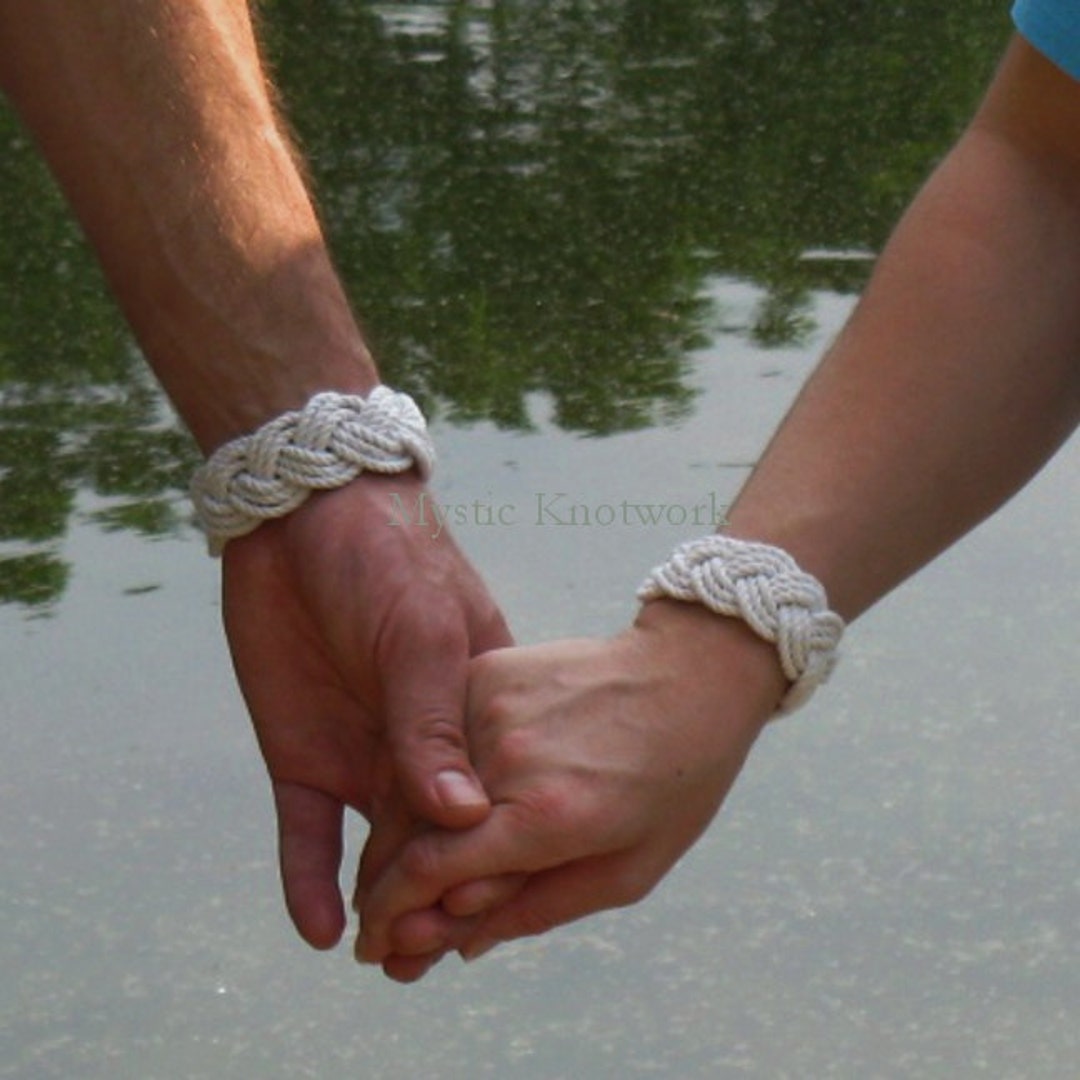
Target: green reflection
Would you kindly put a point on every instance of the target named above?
(528, 196)
(34, 580)
(522, 197)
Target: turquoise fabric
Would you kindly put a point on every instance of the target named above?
(1053, 27)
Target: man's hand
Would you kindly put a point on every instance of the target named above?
(605, 760)
(350, 635)
(351, 630)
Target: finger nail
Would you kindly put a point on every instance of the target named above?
(457, 789)
(473, 950)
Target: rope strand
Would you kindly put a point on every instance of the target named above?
(325, 445)
(765, 587)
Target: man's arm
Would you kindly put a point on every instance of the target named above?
(956, 378)
(350, 631)
(155, 117)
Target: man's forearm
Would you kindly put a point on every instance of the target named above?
(957, 376)
(155, 118)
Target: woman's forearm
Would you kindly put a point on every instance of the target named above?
(155, 117)
(959, 372)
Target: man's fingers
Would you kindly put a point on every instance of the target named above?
(476, 897)
(391, 828)
(309, 852)
(507, 843)
(407, 969)
(421, 938)
(421, 933)
(452, 922)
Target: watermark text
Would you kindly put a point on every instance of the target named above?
(554, 510)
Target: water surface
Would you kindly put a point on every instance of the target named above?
(604, 242)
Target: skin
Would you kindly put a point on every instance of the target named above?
(954, 381)
(350, 636)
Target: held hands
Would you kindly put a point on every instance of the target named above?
(604, 761)
(351, 633)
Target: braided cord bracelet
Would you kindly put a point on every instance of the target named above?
(765, 587)
(324, 445)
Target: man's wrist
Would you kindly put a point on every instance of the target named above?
(229, 391)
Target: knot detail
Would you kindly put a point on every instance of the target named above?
(325, 445)
(766, 588)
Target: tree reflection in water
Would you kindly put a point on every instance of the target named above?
(522, 197)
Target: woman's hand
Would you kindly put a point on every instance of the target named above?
(604, 760)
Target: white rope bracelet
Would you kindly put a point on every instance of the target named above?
(763, 586)
(324, 445)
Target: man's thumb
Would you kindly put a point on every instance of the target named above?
(425, 718)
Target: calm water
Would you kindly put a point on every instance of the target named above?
(604, 242)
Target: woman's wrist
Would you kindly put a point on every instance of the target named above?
(765, 588)
(723, 655)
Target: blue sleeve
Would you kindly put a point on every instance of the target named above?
(1053, 27)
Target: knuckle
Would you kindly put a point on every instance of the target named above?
(513, 746)
(436, 727)
(547, 810)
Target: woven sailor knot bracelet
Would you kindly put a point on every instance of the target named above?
(765, 587)
(324, 445)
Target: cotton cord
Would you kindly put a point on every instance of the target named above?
(324, 445)
(763, 586)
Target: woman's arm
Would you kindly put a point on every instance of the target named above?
(959, 373)
(956, 378)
